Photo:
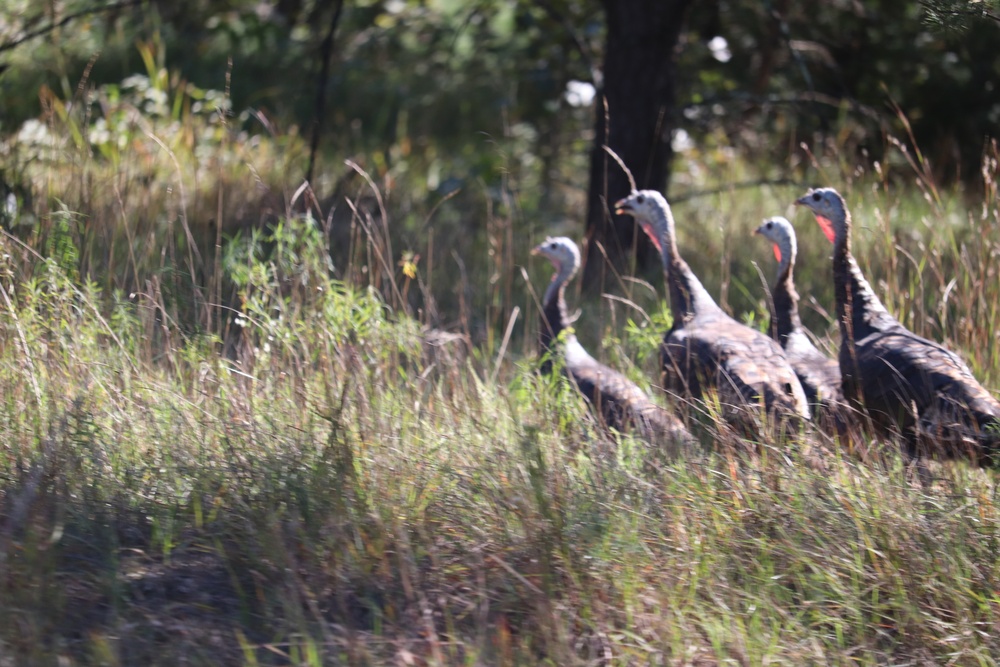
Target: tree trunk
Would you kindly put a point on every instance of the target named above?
(634, 116)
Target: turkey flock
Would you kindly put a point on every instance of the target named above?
(896, 384)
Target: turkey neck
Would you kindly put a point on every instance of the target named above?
(859, 311)
(554, 308)
(688, 296)
(786, 299)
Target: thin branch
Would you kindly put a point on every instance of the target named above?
(326, 54)
(743, 185)
(792, 100)
(621, 163)
(786, 34)
(66, 19)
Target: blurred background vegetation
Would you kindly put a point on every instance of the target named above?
(163, 137)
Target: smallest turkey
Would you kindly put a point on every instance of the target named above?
(620, 402)
(819, 375)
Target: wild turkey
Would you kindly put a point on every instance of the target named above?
(619, 401)
(819, 375)
(907, 384)
(705, 345)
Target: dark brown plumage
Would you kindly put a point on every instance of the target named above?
(619, 401)
(705, 346)
(819, 375)
(907, 384)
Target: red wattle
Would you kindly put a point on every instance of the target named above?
(827, 227)
(777, 253)
(652, 237)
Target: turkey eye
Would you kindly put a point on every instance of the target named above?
(816, 196)
(640, 199)
(769, 225)
(552, 246)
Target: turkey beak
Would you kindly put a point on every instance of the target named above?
(537, 250)
(622, 207)
(802, 201)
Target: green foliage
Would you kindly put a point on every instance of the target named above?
(293, 307)
(959, 15)
(647, 335)
(61, 246)
(794, 73)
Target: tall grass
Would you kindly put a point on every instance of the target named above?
(252, 448)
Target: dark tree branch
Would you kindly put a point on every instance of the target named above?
(769, 46)
(326, 54)
(66, 19)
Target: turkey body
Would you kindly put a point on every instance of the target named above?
(619, 402)
(818, 373)
(705, 348)
(711, 350)
(908, 385)
(922, 390)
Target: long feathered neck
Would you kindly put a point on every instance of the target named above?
(859, 310)
(786, 299)
(688, 296)
(554, 308)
